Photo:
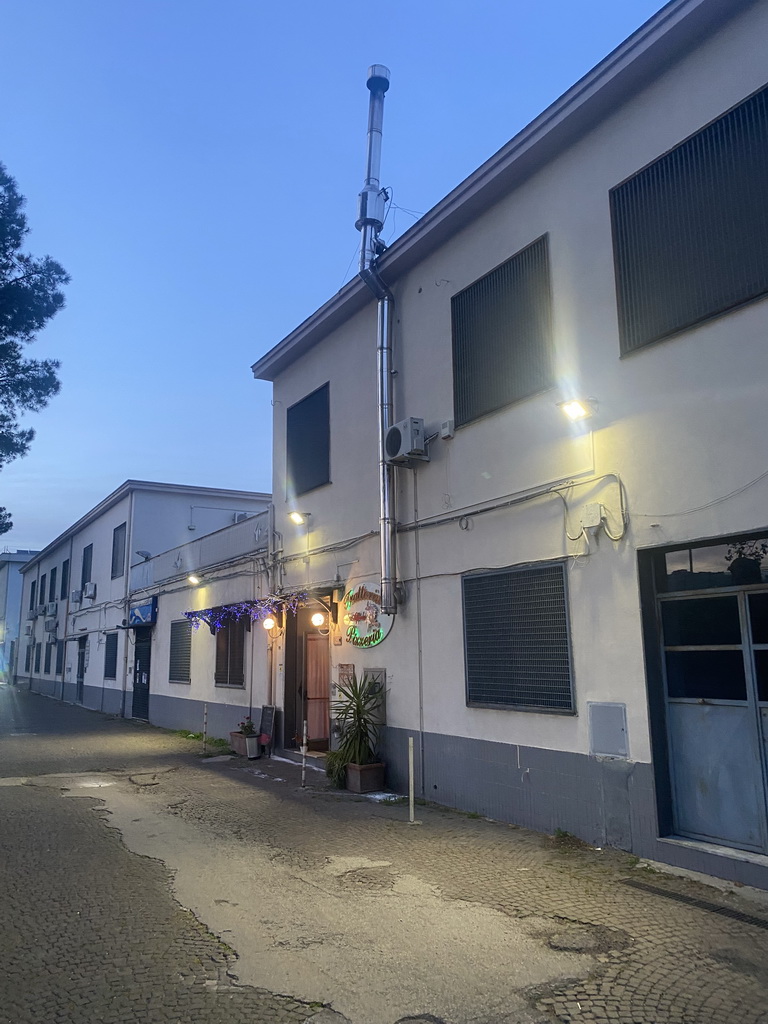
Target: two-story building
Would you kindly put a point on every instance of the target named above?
(10, 607)
(580, 638)
(83, 635)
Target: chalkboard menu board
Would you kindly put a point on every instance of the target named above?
(267, 727)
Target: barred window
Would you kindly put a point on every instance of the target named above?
(689, 230)
(517, 640)
(179, 670)
(502, 335)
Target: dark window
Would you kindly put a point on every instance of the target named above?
(28, 658)
(59, 657)
(32, 592)
(308, 442)
(118, 551)
(110, 656)
(52, 587)
(38, 651)
(516, 637)
(706, 675)
(42, 589)
(64, 579)
(181, 651)
(47, 659)
(689, 230)
(230, 645)
(706, 622)
(85, 574)
(502, 335)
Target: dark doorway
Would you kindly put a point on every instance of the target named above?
(307, 682)
(141, 663)
(82, 645)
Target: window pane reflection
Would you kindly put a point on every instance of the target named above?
(737, 563)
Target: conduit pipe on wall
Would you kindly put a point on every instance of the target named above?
(370, 221)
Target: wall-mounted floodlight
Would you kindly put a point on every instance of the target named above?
(578, 408)
(318, 619)
(193, 579)
(269, 622)
(299, 518)
(145, 555)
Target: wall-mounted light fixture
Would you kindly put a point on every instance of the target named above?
(299, 518)
(318, 619)
(193, 579)
(145, 555)
(269, 622)
(578, 408)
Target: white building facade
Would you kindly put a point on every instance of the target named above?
(581, 640)
(10, 607)
(80, 625)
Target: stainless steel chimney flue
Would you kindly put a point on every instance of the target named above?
(370, 221)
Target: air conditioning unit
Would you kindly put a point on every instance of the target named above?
(89, 591)
(32, 613)
(28, 629)
(405, 441)
(41, 609)
(51, 638)
(51, 608)
(77, 596)
(50, 625)
(239, 517)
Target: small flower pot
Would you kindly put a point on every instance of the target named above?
(253, 746)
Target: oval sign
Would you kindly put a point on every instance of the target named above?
(366, 624)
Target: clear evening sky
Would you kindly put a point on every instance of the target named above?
(194, 165)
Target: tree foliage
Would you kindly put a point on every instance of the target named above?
(30, 295)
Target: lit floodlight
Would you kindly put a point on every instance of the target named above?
(299, 518)
(193, 579)
(578, 408)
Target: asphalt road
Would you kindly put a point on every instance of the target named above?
(141, 882)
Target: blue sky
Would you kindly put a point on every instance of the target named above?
(194, 165)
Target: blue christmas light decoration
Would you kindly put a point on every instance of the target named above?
(255, 610)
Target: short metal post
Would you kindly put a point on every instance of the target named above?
(411, 799)
(205, 727)
(304, 756)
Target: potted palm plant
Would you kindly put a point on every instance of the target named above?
(358, 714)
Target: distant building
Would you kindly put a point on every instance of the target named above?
(10, 607)
(77, 643)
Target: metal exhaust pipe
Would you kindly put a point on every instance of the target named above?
(370, 221)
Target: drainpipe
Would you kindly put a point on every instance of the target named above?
(370, 221)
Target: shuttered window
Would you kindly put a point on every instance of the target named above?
(85, 573)
(28, 658)
(38, 651)
(64, 580)
(308, 442)
(118, 551)
(230, 646)
(32, 592)
(689, 231)
(42, 588)
(179, 670)
(59, 657)
(110, 656)
(517, 639)
(47, 659)
(502, 335)
(52, 587)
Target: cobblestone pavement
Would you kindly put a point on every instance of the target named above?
(655, 948)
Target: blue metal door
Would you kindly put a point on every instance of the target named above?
(716, 677)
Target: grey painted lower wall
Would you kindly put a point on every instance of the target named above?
(604, 801)
(186, 713)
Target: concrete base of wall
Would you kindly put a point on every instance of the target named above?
(604, 801)
(186, 713)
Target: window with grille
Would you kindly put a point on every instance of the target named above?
(110, 656)
(52, 586)
(689, 230)
(47, 659)
(502, 335)
(42, 588)
(517, 640)
(85, 573)
(64, 580)
(308, 442)
(32, 592)
(118, 551)
(179, 669)
(230, 649)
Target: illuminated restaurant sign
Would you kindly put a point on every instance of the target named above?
(366, 624)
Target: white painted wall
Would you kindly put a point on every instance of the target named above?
(682, 422)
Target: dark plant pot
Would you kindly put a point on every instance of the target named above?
(366, 778)
(237, 742)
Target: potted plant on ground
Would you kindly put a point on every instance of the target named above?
(246, 740)
(358, 714)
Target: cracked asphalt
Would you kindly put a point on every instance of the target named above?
(141, 882)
